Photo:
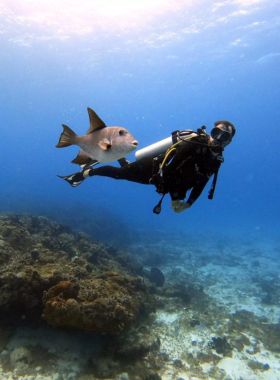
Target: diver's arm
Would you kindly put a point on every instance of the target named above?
(197, 190)
(199, 186)
(123, 161)
(194, 195)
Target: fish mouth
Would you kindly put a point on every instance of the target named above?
(135, 143)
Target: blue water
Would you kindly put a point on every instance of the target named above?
(152, 71)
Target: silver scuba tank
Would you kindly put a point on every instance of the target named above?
(162, 145)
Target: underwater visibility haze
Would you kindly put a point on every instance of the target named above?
(151, 67)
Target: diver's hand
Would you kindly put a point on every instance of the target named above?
(175, 204)
(182, 207)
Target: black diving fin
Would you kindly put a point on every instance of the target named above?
(76, 179)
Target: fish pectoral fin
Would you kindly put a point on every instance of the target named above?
(105, 144)
(82, 158)
(95, 121)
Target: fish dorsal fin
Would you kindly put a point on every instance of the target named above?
(105, 144)
(95, 121)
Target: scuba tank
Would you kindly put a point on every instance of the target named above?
(161, 146)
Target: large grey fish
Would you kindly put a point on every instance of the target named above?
(100, 143)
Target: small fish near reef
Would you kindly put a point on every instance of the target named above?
(100, 143)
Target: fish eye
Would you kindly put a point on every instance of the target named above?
(121, 133)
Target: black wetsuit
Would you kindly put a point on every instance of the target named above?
(189, 167)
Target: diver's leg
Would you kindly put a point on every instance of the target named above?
(135, 172)
(123, 161)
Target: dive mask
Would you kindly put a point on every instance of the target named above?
(223, 133)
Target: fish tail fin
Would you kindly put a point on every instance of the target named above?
(67, 137)
(74, 179)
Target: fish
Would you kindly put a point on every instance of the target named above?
(100, 144)
(155, 276)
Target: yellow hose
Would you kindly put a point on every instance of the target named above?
(172, 148)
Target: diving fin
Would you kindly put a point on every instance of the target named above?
(76, 179)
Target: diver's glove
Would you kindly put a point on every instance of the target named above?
(175, 204)
(181, 207)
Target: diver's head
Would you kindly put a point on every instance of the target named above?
(221, 136)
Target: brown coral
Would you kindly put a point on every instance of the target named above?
(70, 278)
(107, 303)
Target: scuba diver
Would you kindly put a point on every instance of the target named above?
(185, 161)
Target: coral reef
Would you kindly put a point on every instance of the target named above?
(221, 346)
(68, 278)
(211, 314)
(107, 303)
(20, 358)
